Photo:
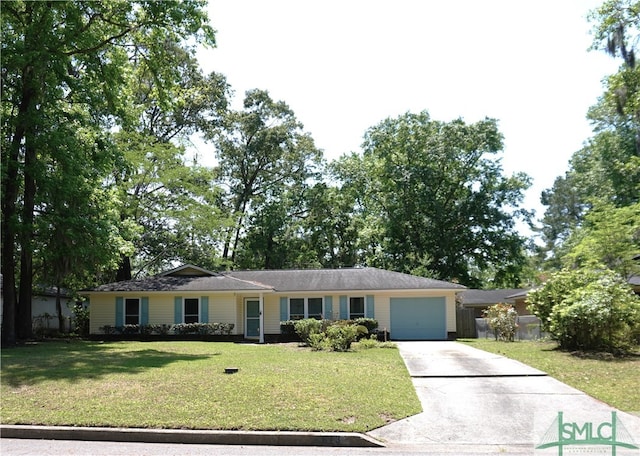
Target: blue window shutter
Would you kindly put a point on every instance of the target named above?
(328, 307)
(119, 311)
(177, 309)
(284, 311)
(343, 308)
(370, 307)
(204, 309)
(144, 311)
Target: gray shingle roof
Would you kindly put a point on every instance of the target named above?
(341, 280)
(488, 297)
(283, 280)
(183, 283)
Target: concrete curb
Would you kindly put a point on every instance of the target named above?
(270, 438)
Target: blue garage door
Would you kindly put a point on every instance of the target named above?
(418, 318)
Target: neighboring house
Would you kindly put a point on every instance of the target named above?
(44, 312)
(519, 301)
(480, 300)
(255, 302)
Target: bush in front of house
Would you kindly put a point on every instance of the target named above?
(181, 329)
(340, 337)
(370, 323)
(332, 335)
(288, 327)
(502, 319)
(203, 329)
(309, 326)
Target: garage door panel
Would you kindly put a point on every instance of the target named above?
(418, 318)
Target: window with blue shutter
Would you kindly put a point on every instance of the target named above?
(119, 312)
(144, 311)
(177, 309)
(370, 309)
(343, 308)
(328, 307)
(204, 309)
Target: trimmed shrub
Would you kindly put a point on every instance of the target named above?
(370, 323)
(220, 329)
(287, 327)
(368, 343)
(340, 337)
(318, 342)
(307, 327)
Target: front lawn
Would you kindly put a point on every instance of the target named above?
(611, 380)
(183, 385)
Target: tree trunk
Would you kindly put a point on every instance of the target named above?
(24, 322)
(61, 327)
(124, 270)
(10, 213)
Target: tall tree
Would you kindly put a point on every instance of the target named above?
(260, 150)
(608, 166)
(164, 195)
(169, 208)
(435, 201)
(59, 58)
(609, 236)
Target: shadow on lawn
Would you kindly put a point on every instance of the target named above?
(31, 364)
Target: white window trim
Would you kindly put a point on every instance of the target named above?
(124, 310)
(364, 307)
(306, 305)
(184, 309)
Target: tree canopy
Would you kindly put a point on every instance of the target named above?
(433, 200)
(65, 67)
(604, 176)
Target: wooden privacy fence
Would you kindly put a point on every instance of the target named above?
(466, 323)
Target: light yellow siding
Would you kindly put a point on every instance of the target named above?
(272, 314)
(102, 311)
(161, 309)
(222, 309)
(230, 307)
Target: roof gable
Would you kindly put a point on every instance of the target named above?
(188, 270)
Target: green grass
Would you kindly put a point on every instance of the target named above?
(183, 385)
(611, 380)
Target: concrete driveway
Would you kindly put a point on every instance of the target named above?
(478, 402)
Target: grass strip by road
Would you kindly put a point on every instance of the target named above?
(182, 385)
(613, 380)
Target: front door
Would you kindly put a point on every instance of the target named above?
(252, 326)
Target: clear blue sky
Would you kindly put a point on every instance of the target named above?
(345, 65)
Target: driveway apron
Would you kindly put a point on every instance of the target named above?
(471, 397)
